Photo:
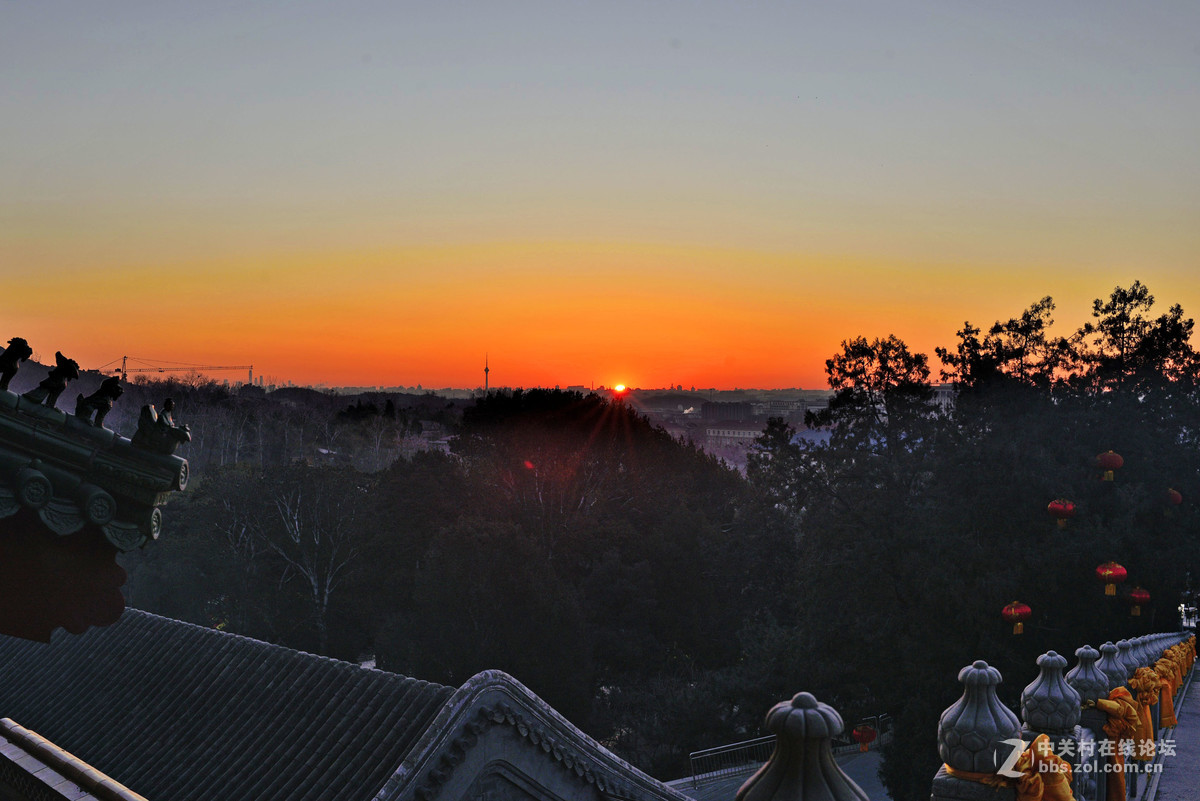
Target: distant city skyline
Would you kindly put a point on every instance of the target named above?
(365, 193)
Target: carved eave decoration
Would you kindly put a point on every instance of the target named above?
(72, 473)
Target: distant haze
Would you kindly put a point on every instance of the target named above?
(708, 194)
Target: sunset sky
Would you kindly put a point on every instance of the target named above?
(653, 193)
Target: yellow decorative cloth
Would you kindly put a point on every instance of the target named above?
(1123, 721)
(1183, 656)
(1052, 771)
(1045, 776)
(1145, 682)
(1168, 674)
(1176, 670)
(990, 779)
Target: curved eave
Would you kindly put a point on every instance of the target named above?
(495, 699)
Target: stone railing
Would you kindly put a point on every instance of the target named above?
(1081, 732)
(713, 764)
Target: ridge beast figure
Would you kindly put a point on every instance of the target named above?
(158, 432)
(53, 385)
(18, 350)
(99, 402)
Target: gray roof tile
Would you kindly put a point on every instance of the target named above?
(177, 711)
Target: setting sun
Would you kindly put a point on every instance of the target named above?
(619, 388)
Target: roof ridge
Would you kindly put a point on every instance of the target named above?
(208, 630)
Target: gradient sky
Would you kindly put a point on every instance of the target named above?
(712, 194)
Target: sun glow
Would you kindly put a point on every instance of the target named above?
(619, 388)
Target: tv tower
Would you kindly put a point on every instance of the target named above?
(486, 370)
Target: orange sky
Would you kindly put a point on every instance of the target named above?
(544, 314)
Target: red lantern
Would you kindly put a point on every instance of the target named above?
(1111, 574)
(1138, 598)
(1108, 462)
(864, 735)
(1016, 613)
(1061, 509)
(1174, 498)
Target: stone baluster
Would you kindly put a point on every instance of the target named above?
(1150, 651)
(802, 765)
(1161, 643)
(1111, 666)
(1086, 677)
(976, 735)
(1091, 683)
(1158, 644)
(1137, 646)
(1050, 706)
(1156, 647)
(1126, 659)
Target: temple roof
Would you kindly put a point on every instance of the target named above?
(178, 711)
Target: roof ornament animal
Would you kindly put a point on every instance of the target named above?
(14, 355)
(55, 382)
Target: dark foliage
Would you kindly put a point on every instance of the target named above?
(918, 526)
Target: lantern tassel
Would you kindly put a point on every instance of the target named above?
(863, 748)
(1018, 627)
(1137, 612)
(1110, 589)
(1062, 522)
(1108, 475)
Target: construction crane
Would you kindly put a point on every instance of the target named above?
(174, 367)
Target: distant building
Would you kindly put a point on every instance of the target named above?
(791, 410)
(713, 411)
(944, 396)
(727, 433)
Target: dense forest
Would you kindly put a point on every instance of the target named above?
(664, 601)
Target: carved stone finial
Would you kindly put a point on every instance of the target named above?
(1125, 657)
(972, 731)
(1087, 679)
(1049, 704)
(55, 381)
(1111, 666)
(18, 351)
(802, 765)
